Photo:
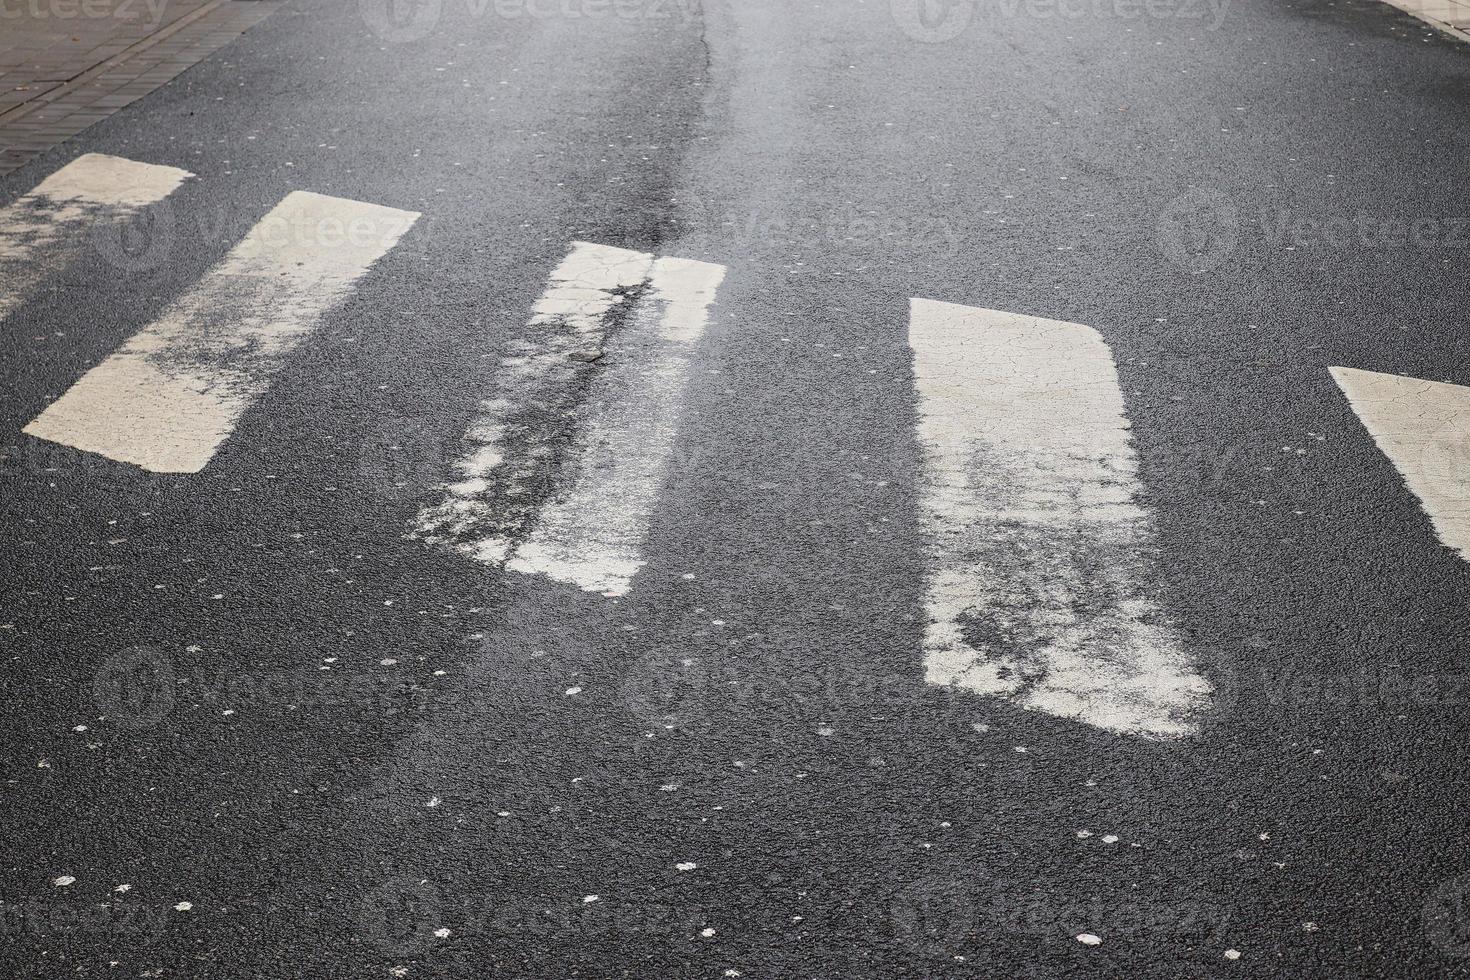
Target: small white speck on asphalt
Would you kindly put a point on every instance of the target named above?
(589, 899)
(573, 690)
(1232, 954)
(441, 933)
(685, 866)
(706, 932)
(1088, 939)
(183, 906)
(63, 881)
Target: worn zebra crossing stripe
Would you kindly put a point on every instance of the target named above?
(44, 229)
(605, 359)
(1423, 427)
(173, 393)
(1037, 588)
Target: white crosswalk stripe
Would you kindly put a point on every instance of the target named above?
(622, 322)
(1037, 582)
(1040, 565)
(172, 394)
(45, 228)
(1423, 427)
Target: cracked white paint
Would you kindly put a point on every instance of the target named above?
(172, 394)
(604, 367)
(1423, 427)
(44, 229)
(1037, 588)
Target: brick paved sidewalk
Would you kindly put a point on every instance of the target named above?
(65, 64)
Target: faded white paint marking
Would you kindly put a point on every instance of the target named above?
(606, 364)
(592, 536)
(1423, 427)
(1037, 589)
(43, 230)
(508, 455)
(173, 393)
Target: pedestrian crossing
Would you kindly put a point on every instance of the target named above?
(1423, 427)
(1040, 573)
(171, 396)
(641, 315)
(1030, 500)
(45, 229)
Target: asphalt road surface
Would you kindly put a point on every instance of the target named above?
(672, 489)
